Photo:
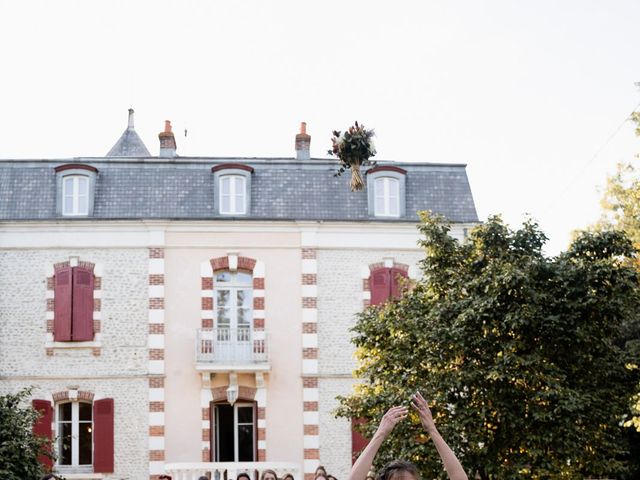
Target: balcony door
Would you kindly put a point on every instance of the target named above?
(234, 432)
(234, 312)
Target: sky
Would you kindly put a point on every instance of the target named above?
(532, 96)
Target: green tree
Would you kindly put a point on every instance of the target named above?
(523, 357)
(19, 448)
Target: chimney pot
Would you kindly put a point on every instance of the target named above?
(167, 141)
(130, 125)
(303, 143)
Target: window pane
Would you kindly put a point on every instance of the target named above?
(67, 186)
(239, 203)
(223, 319)
(244, 317)
(223, 277)
(222, 298)
(64, 443)
(244, 278)
(245, 415)
(226, 204)
(85, 411)
(83, 185)
(67, 207)
(225, 185)
(244, 298)
(224, 433)
(83, 205)
(85, 443)
(64, 412)
(245, 443)
(379, 207)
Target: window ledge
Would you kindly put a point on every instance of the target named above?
(80, 476)
(67, 345)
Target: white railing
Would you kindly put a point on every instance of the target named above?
(232, 346)
(230, 470)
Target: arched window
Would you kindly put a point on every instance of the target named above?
(74, 433)
(387, 197)
(75, 195)
(233, 297)
(233, 194)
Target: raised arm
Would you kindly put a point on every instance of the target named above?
(451, 463)
(365, 460)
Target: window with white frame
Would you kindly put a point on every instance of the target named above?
(233, 296)
(75, 195)
(233, 190)
(387, 197)
(234, 427)
(74, 434)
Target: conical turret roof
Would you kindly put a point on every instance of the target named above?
(129, 144)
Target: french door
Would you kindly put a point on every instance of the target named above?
(234, 432)
(234, 312)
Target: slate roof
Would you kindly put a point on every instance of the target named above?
(183, 188)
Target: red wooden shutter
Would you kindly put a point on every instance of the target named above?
(62, 305)
(103, 435)
(397, 276)
(380, 285)
(358, 442)
(82, 312)
(42, 426)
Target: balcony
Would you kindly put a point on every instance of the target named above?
(222, 349)
(229, 470)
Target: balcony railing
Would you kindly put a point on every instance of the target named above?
(243, 346)
(229, 470)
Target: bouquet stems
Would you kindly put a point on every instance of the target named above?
(357, 183)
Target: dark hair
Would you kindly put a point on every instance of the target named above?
(268, 470)
(320, 467)
(204, 477)
(243, 475)
(397, 466)
(49, 476)
(287, 475)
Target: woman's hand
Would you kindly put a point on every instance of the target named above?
(393, 416)
(421, 405)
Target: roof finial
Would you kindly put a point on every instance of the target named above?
(130, 125)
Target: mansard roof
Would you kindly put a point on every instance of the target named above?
(183, 188)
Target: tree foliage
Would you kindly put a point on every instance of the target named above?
(19, 447)
(525, 358)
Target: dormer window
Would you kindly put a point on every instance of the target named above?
(75, 195)
(75, 186)
(233, 195)
(386, 187)
(232, 185)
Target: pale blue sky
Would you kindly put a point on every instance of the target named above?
(524, 93)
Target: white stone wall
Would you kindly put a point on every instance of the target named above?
(130, 421)
(124, 324)
(340, 297)
(119, 372)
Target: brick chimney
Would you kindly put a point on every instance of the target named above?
(303, 143)
(167, 141)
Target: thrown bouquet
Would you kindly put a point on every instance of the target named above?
(353, 148)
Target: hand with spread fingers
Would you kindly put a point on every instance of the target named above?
(422, 406)
(390, 419)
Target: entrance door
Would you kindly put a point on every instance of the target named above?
(234, 432)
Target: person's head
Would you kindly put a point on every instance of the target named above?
(288, 476)
(321, 476)
(204, 477)
(49, 476)
(398, 470)
(320, 471)
(243, 476)
(268, 474)
(165, 477)
(331, 477)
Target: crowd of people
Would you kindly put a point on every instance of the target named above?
(361, 470)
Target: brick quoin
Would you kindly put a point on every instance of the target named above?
(258, 323)
(311, 454)
(97, 325)
(156, 431)
(310, 406)
(262, 456)
(49, 352)
(261, 413)
(156, 353)
(49, 326)
(95, 351)
(97, 304)
(258, 303)
(207, 283)
(309, 353)
(309, 302)
(50, 304)
(311, 429)
(97, 283)
(310, 382)
(156, 455)
(309, 279)
(207, 303)
(310, 327)
(156, 279)
(51, 285)
(156, 303)
(156, 382)
(206, 433)
(309, 253)
(156, 328)
(262, 434)
(258, 283)
(207, 323)
(156, 406)
(156, 253)
(205, 414)
(365, 285)
(206, 456)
